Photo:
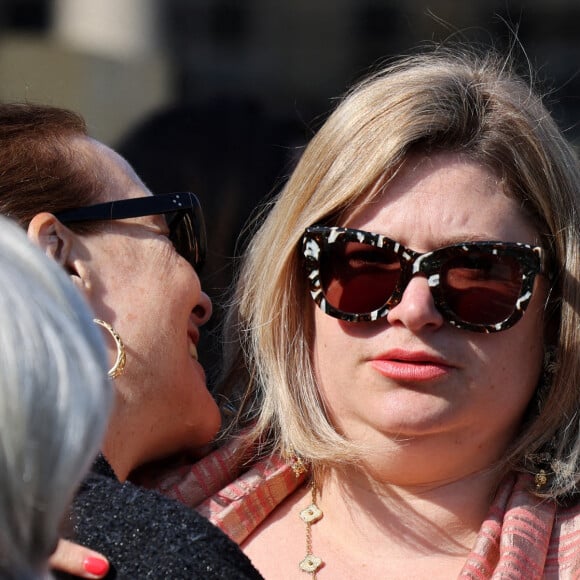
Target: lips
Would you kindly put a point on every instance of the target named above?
(411, 366)
(193, 350)
(193, 336)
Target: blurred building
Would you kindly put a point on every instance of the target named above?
(117, 60)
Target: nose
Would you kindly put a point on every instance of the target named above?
(416, 310)
(203, 309)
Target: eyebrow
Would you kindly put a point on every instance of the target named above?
(453, 240)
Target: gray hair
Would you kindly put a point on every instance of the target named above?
(54, 403)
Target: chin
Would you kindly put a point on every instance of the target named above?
(205, 425)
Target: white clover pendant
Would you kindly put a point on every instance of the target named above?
(310, 564)
(311, 514)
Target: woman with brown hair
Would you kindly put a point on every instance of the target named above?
(134, 257)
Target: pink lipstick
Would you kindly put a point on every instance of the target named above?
(410, 366)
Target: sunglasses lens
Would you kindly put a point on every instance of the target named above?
(358, 278)
(481, 288)
(182, 235)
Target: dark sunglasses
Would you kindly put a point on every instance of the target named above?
(182, 212)
(359, 276)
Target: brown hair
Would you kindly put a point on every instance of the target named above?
(40, 170)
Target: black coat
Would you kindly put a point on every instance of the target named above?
(148, 536)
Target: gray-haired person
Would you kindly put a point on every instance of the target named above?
(55, 399)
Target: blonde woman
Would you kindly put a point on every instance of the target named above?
(408, 316)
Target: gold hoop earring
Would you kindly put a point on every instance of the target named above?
(119, 367)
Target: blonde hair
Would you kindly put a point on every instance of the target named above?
(443, 100)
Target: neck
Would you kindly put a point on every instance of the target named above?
(442, 517)
(124, 442)
(116, 459)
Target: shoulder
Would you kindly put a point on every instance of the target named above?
(567, 525)
(563, 560)
(145, 534)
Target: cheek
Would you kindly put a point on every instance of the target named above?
(518, 367)
(334, 359)
(326, 338)
(517, 359)
(322, 349)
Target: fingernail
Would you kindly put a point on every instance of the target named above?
(95, 566)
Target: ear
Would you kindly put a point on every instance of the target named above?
(53, 238)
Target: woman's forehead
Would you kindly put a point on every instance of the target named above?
(118, 178)
(440, 200)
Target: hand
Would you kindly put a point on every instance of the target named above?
(78, 561)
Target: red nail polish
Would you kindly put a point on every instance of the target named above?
(95, 566)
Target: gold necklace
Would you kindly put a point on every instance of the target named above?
(310, 515)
